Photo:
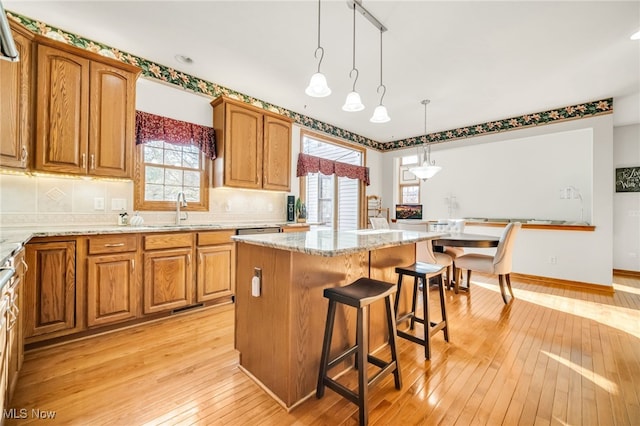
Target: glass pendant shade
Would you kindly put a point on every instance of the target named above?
(635, 36)
(426, 171)
(353, 103)
(380, 115)
(318, 87)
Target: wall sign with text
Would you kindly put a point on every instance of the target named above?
(628, 179)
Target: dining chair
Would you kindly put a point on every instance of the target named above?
(425, 254)
(498, 264)
(379, 223)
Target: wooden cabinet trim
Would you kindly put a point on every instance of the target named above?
(103, 244)
(214, 237)
(167, 241)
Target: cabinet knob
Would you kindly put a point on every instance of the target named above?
(84, 160)
(93, 161)
(24, 155)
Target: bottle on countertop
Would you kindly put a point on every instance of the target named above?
(123, 218)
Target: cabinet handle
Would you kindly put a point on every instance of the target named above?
(24, 265)
(84, 160)
(188, 259)
(93, 161)
(25, 154)
(114, 245)
(133, 264)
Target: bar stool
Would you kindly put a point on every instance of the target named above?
(360, 294)
(422, 271)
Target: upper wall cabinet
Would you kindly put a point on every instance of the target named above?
(254, 146)
(16, 102)
(85, 112)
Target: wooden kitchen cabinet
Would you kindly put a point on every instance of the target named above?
(15, 336)
(112, 279)
(50, 289)
(254, 149)
(215, 276)
(168, 272)
(16, 118)
(85, 112)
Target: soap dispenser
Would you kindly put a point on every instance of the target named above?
(123, 218)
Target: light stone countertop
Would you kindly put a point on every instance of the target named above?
(12, 239)
(334, 243)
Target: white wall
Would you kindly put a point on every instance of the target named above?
(581, 256)
(626, 205)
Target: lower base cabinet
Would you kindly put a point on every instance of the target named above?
(216, 272)
(113, 284)
(79, 284)
(168, 280)
(50, 288)
(112, 290)
(168, 272)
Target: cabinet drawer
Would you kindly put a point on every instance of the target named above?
(164, 241)
(215, 237)
(112, 244)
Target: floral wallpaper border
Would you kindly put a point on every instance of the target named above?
(188, 82)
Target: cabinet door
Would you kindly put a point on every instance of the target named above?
(15, 106)
(216, 272)
(168, 280)
(50, 288)
(111, 121)
(112, 291)
(62, 111)
(277, 154)
(15, 343)
(243, 148)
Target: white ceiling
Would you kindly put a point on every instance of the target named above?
(477, 61)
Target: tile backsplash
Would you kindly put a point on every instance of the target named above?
(45, 200)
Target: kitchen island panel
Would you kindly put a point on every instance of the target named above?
(279, 334)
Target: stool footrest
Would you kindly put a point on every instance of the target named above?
(342, 356)
(341, 389)
(389, 367)
(439, 326)
(405, 317)
(411, 337)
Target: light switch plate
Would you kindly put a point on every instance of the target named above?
(118, 204)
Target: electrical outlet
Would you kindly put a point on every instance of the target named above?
(553, 260)
(98, 203)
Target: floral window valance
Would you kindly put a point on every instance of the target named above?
(311, 164)
(151, 127)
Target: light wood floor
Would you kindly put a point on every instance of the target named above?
(554, 356)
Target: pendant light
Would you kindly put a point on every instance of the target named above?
(318, 87)
(428, 168)
(380, 114)
(353, 102)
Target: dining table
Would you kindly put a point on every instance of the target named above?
(462, 239)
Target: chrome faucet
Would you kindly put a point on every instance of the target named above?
(179, 204)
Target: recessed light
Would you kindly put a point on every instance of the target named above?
(183, 59)
(636, 36)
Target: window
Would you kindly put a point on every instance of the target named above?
(337, 202)
(409, 183)
(172, 157)
(166, 169)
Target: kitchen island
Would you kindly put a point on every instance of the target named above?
(279, 332)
